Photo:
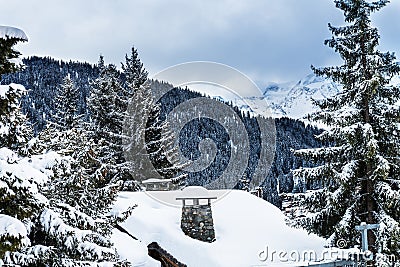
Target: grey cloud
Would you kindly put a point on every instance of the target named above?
(265, 39)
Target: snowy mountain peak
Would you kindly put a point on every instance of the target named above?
(289, 99)
(12, 32)
(272, 87)
(310, 79)
(295, 99)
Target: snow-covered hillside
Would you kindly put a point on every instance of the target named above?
(244, 224)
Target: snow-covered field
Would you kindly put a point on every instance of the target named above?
(245, 226)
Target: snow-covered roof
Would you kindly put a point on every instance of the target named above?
(12, 32)
(155, 180)
(195, 192)
(245, 225)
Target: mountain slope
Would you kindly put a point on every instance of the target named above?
(289, 99)
(294, 100)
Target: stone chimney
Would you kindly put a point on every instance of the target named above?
(197, 221)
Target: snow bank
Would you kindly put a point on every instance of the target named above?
(245, 226)
(11, 32)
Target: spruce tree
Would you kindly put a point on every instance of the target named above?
(360, 174)
(66, 104)
(79, 201)
(14, 129)
(61, 209)
(102, 100)
(135, 77)
(135, 73)
(8, 40)
(20, 202)
(148, 141)
(149, 146)
(19, 198)
(107, 116)
(53, 209)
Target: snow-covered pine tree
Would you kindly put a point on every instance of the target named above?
(20, 205)
(107, 116)
(19, 198)
(147, 138)
(77, 195)
(9, 37)
(161, 147)
(51, 228)
(135, 77)
(102, 99)
(360, 176)
(66, 104)
(40, 227)
(60, 213)
(135, 73)
(14, 130)
(149, 146)
(79, 177)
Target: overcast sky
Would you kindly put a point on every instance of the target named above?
(268, 40)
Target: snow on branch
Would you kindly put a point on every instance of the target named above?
(13, 227)
(11, 32)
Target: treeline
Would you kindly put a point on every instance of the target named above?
(43, 77)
